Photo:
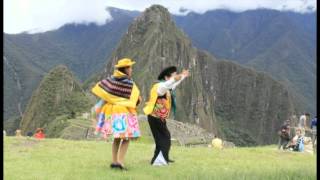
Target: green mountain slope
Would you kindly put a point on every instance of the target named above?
(59, 93)
(283, 44)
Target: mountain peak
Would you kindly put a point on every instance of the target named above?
(157, 8)
(156, 14)
(155, 32)
(61, 67)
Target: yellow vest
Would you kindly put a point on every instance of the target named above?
(116, 100)
(148, 109)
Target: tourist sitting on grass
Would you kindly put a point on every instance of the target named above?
(217, 142)
(297, 143)
(284, 135)
(29, 134)
(39, 133)
(18, 133)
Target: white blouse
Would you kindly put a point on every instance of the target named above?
(167, 85)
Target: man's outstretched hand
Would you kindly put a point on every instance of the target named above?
(185, 73)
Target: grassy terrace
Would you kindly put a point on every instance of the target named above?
(65, 159)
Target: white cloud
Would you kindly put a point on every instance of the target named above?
(44, 15)
(201, 6)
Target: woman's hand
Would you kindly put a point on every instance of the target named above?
(139, 100)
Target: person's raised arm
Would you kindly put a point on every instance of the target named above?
(171, 83)
(165, 86)
(184, 74)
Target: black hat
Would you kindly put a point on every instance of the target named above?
(167, 72)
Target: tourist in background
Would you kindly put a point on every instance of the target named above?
(297, 142)
(303, 123)
(39, 133)
(313, 127)
(284, 135)
(217, 142)
(18, 133)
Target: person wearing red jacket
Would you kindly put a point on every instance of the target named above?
(39, 134)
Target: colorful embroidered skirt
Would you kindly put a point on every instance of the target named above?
(116, 120)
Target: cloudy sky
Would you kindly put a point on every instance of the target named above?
(43, 15)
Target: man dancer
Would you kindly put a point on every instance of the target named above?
(161, 102)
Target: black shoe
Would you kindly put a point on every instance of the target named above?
(171, 161)
(112, 165)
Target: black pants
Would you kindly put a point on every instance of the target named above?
(283, 142)
(161, 137)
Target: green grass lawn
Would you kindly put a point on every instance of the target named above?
(63, 159)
